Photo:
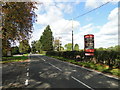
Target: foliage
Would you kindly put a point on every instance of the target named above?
(76, 47)
(112, 48)
(47, 39)
(66, 54)
(99, 67)
(33, 48)
(17, 22)
(68, 46)
(15, 50)
(38, 46)
(24, 47)
(110, 58)
(56, 44)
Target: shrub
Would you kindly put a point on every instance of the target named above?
(110, 58)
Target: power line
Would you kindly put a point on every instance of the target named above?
(92, 10)
(88, 12)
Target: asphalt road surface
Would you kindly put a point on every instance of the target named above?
(46, 72)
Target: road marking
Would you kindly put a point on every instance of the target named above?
(43, 59)
(87, 69)
(26, 82)
(27, 69)
(82, 83)
(55, 67)
(27, 73)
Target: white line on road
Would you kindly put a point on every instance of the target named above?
(87, 69)
(43, 59)
(82, 83)
(26, 82)
(27, 73)
(27, 69)
(55, 67)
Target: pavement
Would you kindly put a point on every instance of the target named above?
(49, 73)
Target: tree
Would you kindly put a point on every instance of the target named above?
(33, 48)
(57, 44)
(68, 46)
(61, 48)
(24, 46)
(38, 46)
(15, 50)
(47, 39)
(17, 22)
(101, 49)
(76, 47)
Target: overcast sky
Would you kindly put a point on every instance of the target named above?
(103, 22)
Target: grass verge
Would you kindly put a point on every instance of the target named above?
(98, 67)
(14, 59)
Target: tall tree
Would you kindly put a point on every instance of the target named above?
(68, 46)
(17, 21)
(24, 47)
(38, 46)
(47, 39)
(76, 47)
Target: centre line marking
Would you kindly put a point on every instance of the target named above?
(55, 67)
(82, 83)
(27, 69)
(26, 82)
(27, 74)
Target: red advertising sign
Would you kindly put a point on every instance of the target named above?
(89, 44)
(89, 54)
(89, 50)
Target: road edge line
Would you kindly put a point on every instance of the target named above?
(81, 82)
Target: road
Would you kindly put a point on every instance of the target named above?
(46, 72)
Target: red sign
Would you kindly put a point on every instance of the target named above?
(89, 36)
(89, 54)
(89, 50)
(89, 44)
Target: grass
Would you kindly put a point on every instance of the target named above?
(25, 54)
(14, 59)
(98, 67)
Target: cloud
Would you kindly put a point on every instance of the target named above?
(108, 35)
(97, 3)
(53, 15)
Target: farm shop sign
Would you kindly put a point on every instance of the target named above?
(89, 44)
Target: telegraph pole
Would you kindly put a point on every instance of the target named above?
(72, 35)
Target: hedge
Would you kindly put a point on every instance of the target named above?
(111, 58)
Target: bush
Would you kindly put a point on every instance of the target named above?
(110, 58)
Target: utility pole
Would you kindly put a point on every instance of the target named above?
(72, 35)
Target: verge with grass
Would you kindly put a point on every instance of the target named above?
(98, 67)
(14, 59)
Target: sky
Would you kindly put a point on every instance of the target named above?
(61, 15)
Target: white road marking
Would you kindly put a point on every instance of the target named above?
(43, 59)
(87, 69)
(27, 73)
(82, 83)
(26, 82)
(27, 69)
(55, 67)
